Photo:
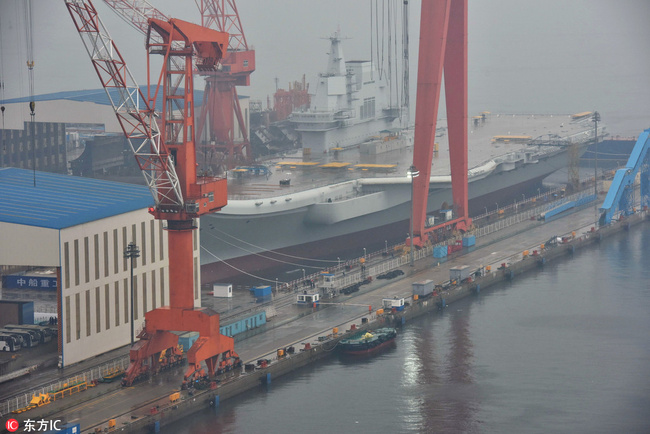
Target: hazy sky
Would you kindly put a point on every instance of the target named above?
(551, 56)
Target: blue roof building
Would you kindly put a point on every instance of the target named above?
(55, 201)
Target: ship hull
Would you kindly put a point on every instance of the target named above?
(232, 244)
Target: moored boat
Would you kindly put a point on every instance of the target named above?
(367, 342)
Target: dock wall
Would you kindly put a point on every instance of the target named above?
(236, 384)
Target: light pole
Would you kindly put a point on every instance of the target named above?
(303, 274)
(364, 253)
(339, 260)
(523, 197)
(386, 245)
(413, 173)
(132, 252)
(596, 118)
(486, 210)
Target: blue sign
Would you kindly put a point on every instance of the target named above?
(28, 282)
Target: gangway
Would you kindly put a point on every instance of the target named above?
(620, 198)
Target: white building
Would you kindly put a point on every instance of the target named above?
(82, 227)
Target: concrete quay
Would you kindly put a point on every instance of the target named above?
(133, 408)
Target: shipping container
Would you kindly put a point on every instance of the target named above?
(187, 340)
(440, 251)
(222, 290)
(469, 241)
(423, 288)
(261, 291)
(459, 273)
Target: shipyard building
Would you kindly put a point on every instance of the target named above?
(81, 227)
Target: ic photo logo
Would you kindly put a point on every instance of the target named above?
(12, 425)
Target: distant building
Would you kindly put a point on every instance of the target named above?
(81, 227)
(39, 142)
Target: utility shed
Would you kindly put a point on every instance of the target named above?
(81, 227)
(459, 273)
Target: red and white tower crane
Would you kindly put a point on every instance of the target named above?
(167, 157)
(443, 45)
(220, 108)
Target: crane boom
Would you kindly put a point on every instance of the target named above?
(136, 117)
(136, 13)
(181, 194)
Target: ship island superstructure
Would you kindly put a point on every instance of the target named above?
(351, 103)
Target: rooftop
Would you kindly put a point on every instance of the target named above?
(97, 96)
(55, 201)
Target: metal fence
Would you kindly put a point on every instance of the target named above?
(22, 400)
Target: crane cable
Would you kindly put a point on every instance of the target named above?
(3, 148)
(29, 36)
(274, 259)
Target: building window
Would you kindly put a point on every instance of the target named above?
(105, 254)
(153, 289)
(152, 225)
(143, 248)
(117, 304)
(96, 256)
(66, 265)
(144, 293)
(135, 297)
(107, 305)
(76, 262)
(160, 240)
(98, 312)
(77, 309)
(126, 301)
(86, 259)
(68, 316)
(124, 243)
(162, 286)
(116, 262)
(87, 312)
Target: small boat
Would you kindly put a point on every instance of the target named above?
(367, 342)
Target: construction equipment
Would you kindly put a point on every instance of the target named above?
(443, 43)
(167, 158)
(220, 140)
(621, 192)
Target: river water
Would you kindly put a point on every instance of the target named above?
(565, 349)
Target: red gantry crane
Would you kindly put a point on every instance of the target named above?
(443, 44)
(220, 101)
(216, 129)
(167, 158)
